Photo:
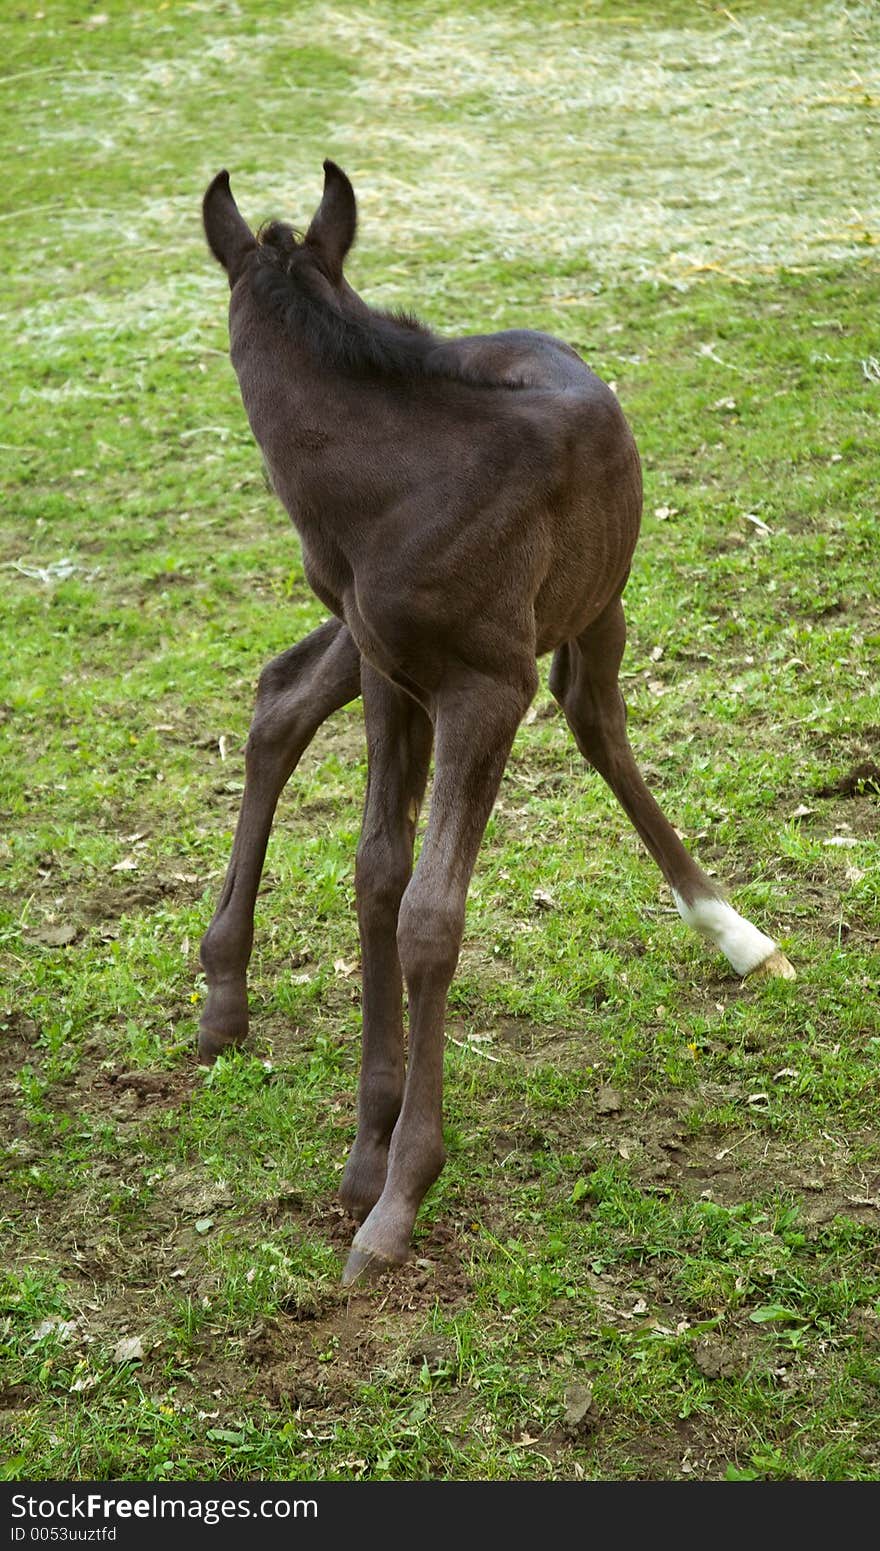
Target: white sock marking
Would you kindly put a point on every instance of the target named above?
(737, 938)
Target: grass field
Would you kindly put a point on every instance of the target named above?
(655, 1249)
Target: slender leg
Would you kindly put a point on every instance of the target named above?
(584, 681)
(297, 692)
(399, 738)
(475, 724)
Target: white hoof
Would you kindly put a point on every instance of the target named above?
(775, 967)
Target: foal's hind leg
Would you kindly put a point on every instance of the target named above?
(584, 681)
(399, 738)
(297, 692)
(476, 722)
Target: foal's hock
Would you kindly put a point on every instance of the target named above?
(464, 505)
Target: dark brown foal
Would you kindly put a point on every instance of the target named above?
(464, 507)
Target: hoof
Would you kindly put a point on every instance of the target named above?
(774, 967)
(212, 1045)
(363, 1265)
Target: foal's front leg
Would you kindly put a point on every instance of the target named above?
(297, 692)
(476, 722)
(399, 738)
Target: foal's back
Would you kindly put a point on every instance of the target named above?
(501, 476)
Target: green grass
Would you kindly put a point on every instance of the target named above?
(684, 193)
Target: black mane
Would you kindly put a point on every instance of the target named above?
(385, 344)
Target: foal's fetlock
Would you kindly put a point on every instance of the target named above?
(364, 1178)
(381, 1094)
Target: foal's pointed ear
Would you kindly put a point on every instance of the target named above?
(335, 220)
(229, 236)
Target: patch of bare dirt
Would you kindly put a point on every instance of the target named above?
(110, 901)
(19, 1037)
(692, 1447)
(70, 913)
(862, 781)
(316, 1360)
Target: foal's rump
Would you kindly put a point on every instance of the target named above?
(514, 358)
(592, 512)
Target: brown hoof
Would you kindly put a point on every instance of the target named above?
(212, 1045)
(774, 967)
(363, 1265)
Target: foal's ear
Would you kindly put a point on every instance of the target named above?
(335, 221)
(229, 236)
